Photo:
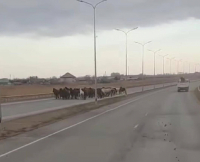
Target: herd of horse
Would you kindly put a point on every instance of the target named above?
(84, 93)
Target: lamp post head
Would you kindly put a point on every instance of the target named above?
(134, 28)
(137, 43)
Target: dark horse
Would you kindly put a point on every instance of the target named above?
(122, 90)
(56, 93)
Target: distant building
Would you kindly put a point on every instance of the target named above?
(4, 81)
(67, 78)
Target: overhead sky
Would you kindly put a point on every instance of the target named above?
(48, 38)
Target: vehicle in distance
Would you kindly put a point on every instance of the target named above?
(183, 84)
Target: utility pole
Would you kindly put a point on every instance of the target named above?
(170, 59)
(126, 34)
(163, 56)
(178, 65)
(95, 51)
(154, 52)
(143, 44)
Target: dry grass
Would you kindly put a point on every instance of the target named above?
(37, 89)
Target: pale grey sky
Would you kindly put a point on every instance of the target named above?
(49, 38)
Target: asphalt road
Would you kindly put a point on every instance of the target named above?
(162, 126)
(24, 108)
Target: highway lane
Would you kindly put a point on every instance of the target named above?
(19, 109)
(160, 126)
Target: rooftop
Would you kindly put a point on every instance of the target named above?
(68, 75)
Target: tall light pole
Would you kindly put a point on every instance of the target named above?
(184, 71)
(163, 56)
(154, 52)
(143, 44)
(178, 65)
(189, 66)
(170, 59)
(126, 34)
(196, 67)
(95, 59)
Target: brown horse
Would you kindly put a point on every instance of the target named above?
(56, 93)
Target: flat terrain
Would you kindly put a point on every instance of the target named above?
(38, 89)
(162, 126)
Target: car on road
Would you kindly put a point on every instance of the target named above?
(183, 84)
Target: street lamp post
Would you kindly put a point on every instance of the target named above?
(196, 67)
(178, 65)
(154, 52)
(163, 56)
(170, 59)
(95, 60)
(184, 71)
(143, 44)
(189, 66)
(126, 34)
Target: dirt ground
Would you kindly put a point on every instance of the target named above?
(14, 90)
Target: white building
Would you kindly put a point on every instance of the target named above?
(67, 78)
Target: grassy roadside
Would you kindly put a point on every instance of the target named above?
(25, 124)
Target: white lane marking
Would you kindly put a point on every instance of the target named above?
(43, 138)
(146, 114)
(136, 126)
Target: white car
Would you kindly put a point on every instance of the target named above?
(183, 85)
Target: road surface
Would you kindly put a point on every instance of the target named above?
(24, 108)
(162, 126)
